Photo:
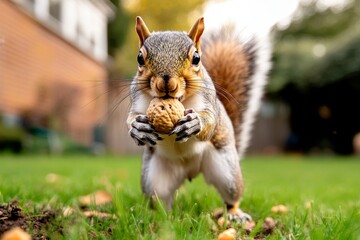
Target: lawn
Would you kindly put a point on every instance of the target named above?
(322, 195)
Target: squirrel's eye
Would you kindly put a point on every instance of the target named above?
(196, 58)
(140, 59)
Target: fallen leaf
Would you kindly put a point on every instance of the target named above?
(279, 209)
(228, 234)
(52, 178)
(268, 225)
(98, 198)
(214, 228)
(16, 234)
(221, 222)
(249, 226)
(98, 214)
(67, 211)
(308, 204)
(219, 212)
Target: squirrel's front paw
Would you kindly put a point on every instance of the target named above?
(187, 126)
(142, 132)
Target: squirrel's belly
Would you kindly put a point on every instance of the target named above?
(180, 152)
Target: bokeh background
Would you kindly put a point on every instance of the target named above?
(65, 68)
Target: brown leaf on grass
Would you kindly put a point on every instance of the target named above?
(98, 198)
(228, 234)
(221, 221)
(249, 226)
(268, 226)
(279, 209)
(214, 228)
(16, 234)
(219, 212)
(68, 211)
(98, 214)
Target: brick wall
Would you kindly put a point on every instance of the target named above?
(42, 73)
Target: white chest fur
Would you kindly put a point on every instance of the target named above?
(186, 157)
(179, 152)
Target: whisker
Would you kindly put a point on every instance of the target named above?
(225, 93)
(96, 98)
(117, 104)
(119, 85)
(218, 89)
(143, 84)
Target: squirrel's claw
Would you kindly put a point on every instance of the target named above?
(233, 215)
(142, 132)
(187, 126)
(142, 118)
(240, 217)
(142, 126)
(141, 138)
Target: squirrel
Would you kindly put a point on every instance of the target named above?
(220, 83)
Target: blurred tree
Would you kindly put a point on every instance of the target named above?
(321, 22)
(306, 47)
(117, 28)
(164, 14)
(316, 71)
(343, 62)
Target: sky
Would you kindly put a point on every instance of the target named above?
(257, 15)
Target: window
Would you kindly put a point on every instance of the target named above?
(29, 5)
(55, 9)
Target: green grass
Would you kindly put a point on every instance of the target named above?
(330, 185)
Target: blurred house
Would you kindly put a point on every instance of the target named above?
(271, 128)
(53, 56)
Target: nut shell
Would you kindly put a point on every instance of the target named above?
(228, 234)
(164, 113)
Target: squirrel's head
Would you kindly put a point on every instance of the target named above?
(169, 62)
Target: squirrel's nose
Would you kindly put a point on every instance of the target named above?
(166, 84)
(166, 78)
(170, 84)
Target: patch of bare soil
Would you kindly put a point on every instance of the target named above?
(11, 216)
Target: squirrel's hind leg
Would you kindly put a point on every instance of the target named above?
(221, 168)
(236, 214)
(159, 179)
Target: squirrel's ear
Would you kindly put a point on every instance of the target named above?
(196, 31)
(142, 30)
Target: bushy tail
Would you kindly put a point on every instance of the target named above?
(238, 66)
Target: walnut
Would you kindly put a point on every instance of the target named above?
(16, 233)
(279, 209)
(228, 234)
(164, 113)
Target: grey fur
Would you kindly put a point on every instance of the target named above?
(163, 58)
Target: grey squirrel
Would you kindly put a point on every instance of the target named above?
(220, 83)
